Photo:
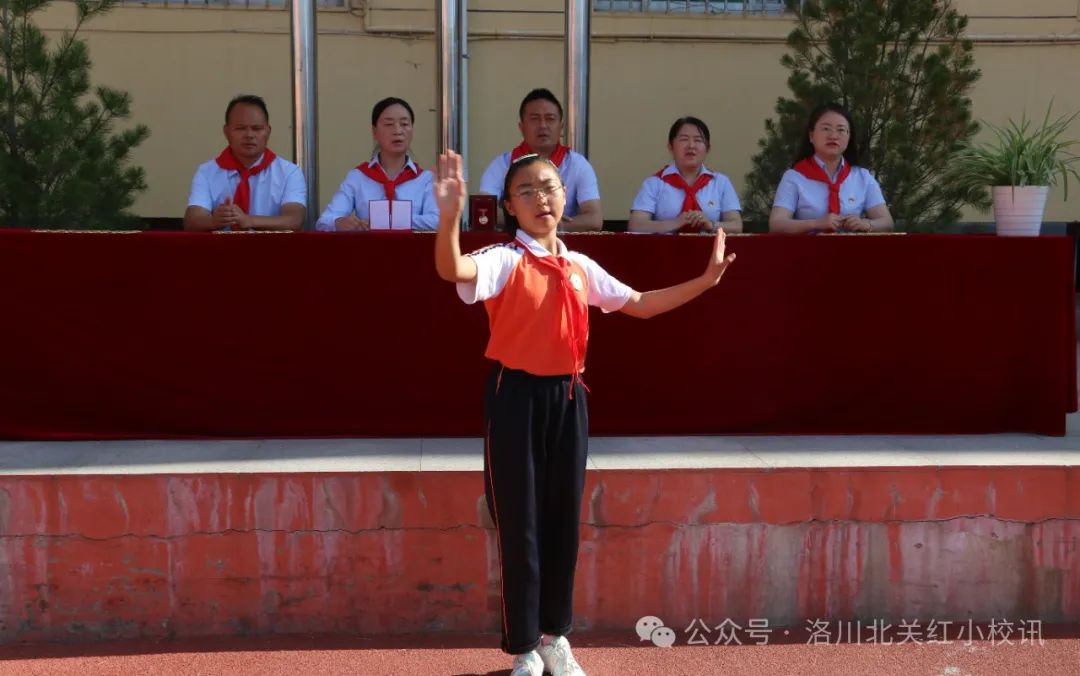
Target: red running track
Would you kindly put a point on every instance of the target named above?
(1059, 655)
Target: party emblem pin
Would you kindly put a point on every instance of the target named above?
(575, 281)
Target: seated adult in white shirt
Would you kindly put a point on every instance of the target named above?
(826, 190)
(391, 174)
(247, 186)
(686, 196)
(540, 122)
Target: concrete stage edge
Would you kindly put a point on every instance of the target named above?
(128, 539)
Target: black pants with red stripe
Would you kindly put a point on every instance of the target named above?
(534, 475)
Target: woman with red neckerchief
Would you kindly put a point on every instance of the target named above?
(826, 190)
(390, 174)
(686, 196)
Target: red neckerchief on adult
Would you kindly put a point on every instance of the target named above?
(813, 171)
(378, 174)
(242, 197)
(577, 311)
(690, 202)
(557, 157)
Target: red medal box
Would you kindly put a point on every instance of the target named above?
(482, 212)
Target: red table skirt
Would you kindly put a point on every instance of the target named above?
(200, 335)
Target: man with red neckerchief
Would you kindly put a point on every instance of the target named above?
(540, 122)
(247, 186)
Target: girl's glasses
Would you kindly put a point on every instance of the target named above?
(530, 192)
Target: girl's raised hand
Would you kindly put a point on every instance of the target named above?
(449, 185)
(718, 262)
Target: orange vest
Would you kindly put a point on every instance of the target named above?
(529, 328)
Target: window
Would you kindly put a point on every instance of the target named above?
(692, 6)
(230, 4)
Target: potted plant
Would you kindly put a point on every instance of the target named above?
(1020, 166)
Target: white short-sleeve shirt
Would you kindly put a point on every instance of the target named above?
(576, 172)
(808, 199)
(280, 183)
(664, 201)
(495, 263)
(357, 190)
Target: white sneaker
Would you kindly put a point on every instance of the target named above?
(558, 659)
(527, 664)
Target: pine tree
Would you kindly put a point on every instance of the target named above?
(62, 162)
(904, 70)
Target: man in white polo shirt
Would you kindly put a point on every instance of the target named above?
(247, 186)
(540, 123)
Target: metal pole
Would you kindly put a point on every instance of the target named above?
(305, 97)
(448, 52)
(578, 31)
(462, 116)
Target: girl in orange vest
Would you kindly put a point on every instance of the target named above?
(537, 294)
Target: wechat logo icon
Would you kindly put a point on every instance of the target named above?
(650, 628)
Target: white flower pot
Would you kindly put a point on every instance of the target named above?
(1018, 211)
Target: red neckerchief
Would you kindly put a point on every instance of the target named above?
(378, 174)
(813, 171)
(242, 197)
(690, 202)
(557, 156)
(577, 311)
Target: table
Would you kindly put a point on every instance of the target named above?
(172, 335)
